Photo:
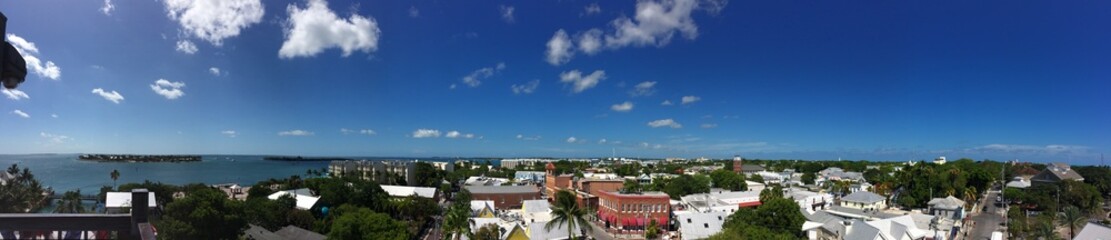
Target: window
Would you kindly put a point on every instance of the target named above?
(707, 225)
(688, 220)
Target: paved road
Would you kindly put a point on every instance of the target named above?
(987, 221)
(599, 232)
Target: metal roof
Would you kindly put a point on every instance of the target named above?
(502, 189)
(863, 197)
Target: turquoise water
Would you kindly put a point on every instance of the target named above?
(65, 172)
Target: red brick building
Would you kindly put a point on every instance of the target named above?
(633, 211)
(505, 197)
(737, 163)
(586, 190)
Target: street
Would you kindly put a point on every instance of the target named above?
(987, 221)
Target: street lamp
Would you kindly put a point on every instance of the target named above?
(13, 69)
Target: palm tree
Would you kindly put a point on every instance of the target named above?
(567, 211)
(1072, 218)
(1047, 231)
(115, 176)
(456, 221)
(70, 203)
(970, 196)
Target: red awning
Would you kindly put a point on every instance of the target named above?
(749, 204)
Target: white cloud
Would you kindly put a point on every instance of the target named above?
(506, 13)
(214, 71)
(667, 103)
(414, 12)
(214, 20)
(20, 113)
(475, 78)
(1031, 149)
(560, 48)
(170, 90)
(622, 107)
(592, 9)
(30, 54)
(360, 131)
(528, 138)
(646, 88)
(526, 88)
(580, 82)
(452, 134)
(229, 133)
(590, 42)
(112, 96)
(690, 99)
(15, 94)
(709, 125)
(107, 8)
(54, 115)
(602, 141)
(655, 23)
(55, 138)
(572, 140)
(186, 46)
(426, 133)
(314, 28)
(665, 123)
(296, 132)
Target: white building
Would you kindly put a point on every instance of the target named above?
(485, 181)
(305, 199)
(405, 191)
(898, 228)
(721, 201)
(698, 225)
(116, 202)
(864, 200)
(809, 201)
(940, 160)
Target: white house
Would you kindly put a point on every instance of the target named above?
(864, 200)
(405, 191)
(116, 202)
(696, 225)
(305, 199)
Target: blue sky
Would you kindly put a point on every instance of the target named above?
(765, 79)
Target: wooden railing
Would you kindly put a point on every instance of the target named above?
(126, 226)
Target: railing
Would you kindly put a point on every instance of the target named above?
(127, 226)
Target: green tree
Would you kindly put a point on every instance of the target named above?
(1072, 218)
(488, 232)
(1097, 176)
(757, 178)
(202, 214)
(1046, 230)
(771, 193)
(455, 222)
(22, 193)
(269, 214)
(70, 203)
(808, 178)
(686, 185)
(362, 223)
(631, 186)
(568, 212)
(726, 179)
(115, 176)
(652, 231)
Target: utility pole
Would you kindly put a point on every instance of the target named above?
(1002, 196)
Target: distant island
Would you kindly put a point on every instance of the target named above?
(303, 159)
(139, 158)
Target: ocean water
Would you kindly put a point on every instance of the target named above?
(64, 172)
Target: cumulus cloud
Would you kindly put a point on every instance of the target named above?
(646, 88)
(54, 115)
(667, 103)
(592, 9)
(560, 48)
(229, 133)
(168, 89)
(20, 113)
(186, 46)
(622, 107)
(506, 13)
(655, 23)
(314, 28)
(572, 140)
(414, 12)
(30, 54)
(452, 134)
(296, 133)
(107, 8)
(475, 78)
(590, 42)
(15, 94)
(214, 71)
(527, 138)
(526, 88)
(602, 141)
(690, 99)
(665, 123)
(579, 82)
(111, 96)
(426, 133)
(360, 131)
(214, 20)
(709, 125)
(55, 138)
